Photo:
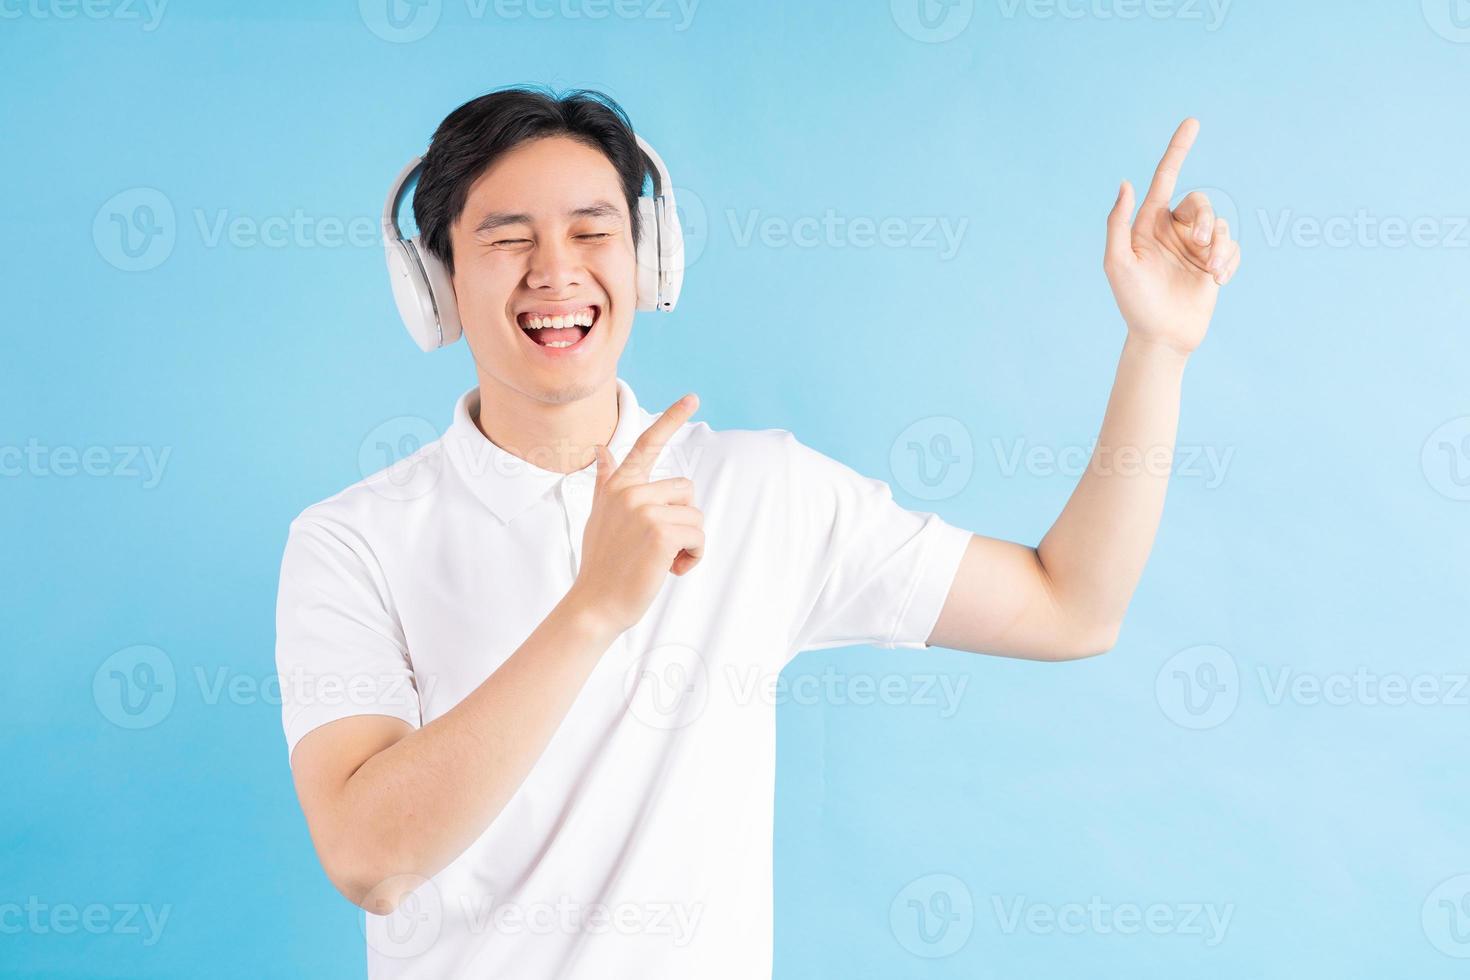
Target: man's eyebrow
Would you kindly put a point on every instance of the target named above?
(499, 219)
(597, 209)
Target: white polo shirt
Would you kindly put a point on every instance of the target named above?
(640, 844)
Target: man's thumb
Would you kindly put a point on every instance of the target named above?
(1120, 230)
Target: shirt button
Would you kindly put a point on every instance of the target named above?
(578, 487)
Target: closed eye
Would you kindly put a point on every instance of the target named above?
(592, 236)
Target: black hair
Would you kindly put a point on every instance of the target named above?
(474, 136)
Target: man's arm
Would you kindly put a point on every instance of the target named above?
(1066, 598)
(389, 805)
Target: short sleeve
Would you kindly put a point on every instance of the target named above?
(877, 573)
(339, 648)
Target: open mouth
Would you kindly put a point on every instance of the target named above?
(560, 331)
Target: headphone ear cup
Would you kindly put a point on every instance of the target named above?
(441, 285)
(424, 295)
(671, 238)
(412, 295)
(648, 254)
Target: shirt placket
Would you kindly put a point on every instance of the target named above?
(576, 499)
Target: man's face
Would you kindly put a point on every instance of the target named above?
(545, 233)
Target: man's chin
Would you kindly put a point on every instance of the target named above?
(571, 391)
(559, 387)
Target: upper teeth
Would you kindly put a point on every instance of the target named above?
(539, 321)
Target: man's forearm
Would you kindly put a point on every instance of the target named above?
(416, 805)
(1095, 552)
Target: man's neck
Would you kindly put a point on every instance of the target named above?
(554, 436)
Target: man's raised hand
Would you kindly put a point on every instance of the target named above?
(638, 531)
(1166, 267)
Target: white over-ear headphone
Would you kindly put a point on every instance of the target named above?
(425, 295)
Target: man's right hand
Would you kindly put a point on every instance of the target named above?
(638, 531)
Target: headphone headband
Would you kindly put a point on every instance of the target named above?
(395, 198)
(664, 187)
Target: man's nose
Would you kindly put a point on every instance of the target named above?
(554, 265)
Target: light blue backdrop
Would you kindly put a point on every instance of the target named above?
(1264, 778)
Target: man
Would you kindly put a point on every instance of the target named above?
(518, 686)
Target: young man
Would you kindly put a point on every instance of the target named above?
(521, 688)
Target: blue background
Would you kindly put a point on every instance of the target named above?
(1331, 544)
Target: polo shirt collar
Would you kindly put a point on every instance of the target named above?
(507, 484)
